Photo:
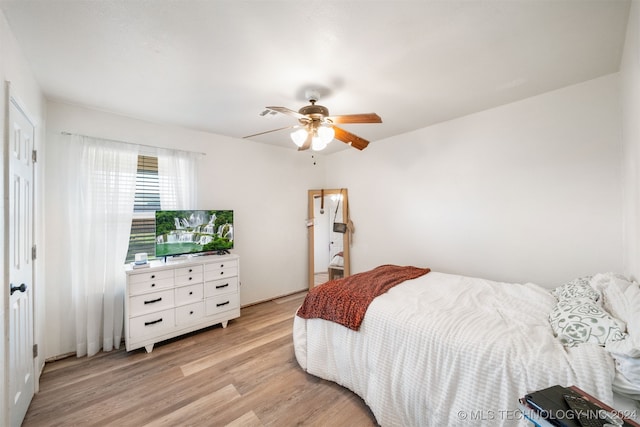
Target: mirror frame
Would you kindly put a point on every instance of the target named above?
(312, 194)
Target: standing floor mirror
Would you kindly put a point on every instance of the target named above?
(328, 235)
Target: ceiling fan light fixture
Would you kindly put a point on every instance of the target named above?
(317, 144)
(316, 127)
(299, 136)
(326, 133)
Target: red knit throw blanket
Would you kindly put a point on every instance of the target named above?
(345, 301)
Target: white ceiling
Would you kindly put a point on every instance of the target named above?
(214, 65)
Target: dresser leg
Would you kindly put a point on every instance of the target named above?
(149, 348)
(225, 323)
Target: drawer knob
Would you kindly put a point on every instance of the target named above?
(222, 303)
(190, 270)
(190, 292)
(222, 286)
(190, 278)
(153, 322)
(153, 276)
(153, 285)
(222, 272)
(153, 300)
(191, 312)
(221, 265)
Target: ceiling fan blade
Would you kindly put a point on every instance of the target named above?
(285, 110)
(269, 131)
(356, 118)
(353, 140)
(307, 143)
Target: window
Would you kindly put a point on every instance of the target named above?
(147, 202)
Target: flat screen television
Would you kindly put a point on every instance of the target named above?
(193, 232)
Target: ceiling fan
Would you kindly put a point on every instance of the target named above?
(317, 128)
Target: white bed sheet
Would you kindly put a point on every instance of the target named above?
(451, 350)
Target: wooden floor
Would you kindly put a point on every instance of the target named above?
(244, 375)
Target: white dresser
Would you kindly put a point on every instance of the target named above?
(169, 299)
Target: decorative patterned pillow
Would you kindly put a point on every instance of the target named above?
(581, 320)
(577, 288)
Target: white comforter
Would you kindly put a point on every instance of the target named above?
(447, 350)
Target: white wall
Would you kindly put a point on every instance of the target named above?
(266, 186)
(14, 68)
(630, 94)
(530, 191)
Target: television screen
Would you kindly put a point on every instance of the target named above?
(193, 232)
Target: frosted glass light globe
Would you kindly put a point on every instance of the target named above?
(318, 144)
(299, 137)
(326, 133)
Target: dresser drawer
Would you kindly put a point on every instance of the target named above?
(189, 313)
(142, 287)
(152, 302)
(220, 273)
(221, 304)
(218, 270)
(221, 265)
(149, 276)
(191, 278)
(222, 286)
(151, 324)
(188, 294)
(187, 271)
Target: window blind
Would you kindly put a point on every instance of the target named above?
(147, 201)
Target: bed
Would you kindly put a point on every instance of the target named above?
(444, 349)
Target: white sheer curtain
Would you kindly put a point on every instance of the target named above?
(177, 174)
(101, 188)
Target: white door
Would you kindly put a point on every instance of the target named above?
(21, 365)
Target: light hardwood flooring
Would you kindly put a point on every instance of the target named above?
(242, 375)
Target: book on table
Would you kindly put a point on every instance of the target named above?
(560, 406)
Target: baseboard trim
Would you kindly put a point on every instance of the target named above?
(275, 298)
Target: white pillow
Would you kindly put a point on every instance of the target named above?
(629, 367)
(581, 320)
(612, 287)
(603, 280)
(577, 288)
(625, 347)
(623, 386)
(627, 378)
(631, 311)
(621, 298)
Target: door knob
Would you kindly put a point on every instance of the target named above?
(21, 288)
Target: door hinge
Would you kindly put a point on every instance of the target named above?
(33, 252)
(35, 351)
(34, 156)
